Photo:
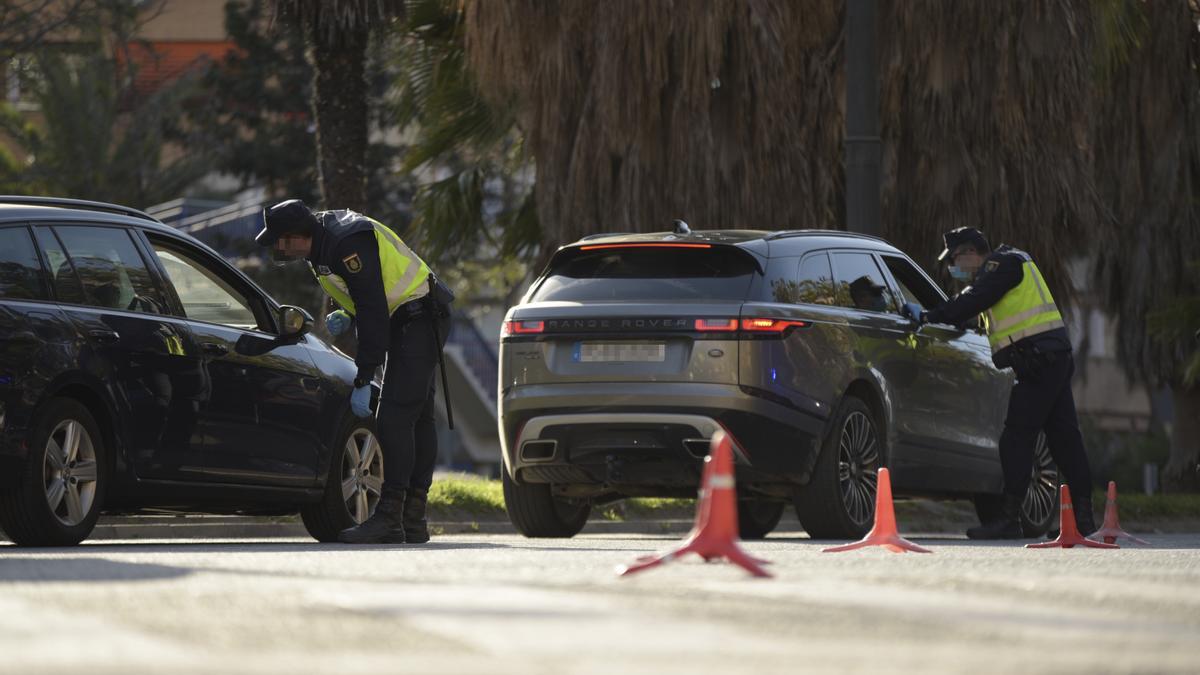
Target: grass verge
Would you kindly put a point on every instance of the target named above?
(469, 497)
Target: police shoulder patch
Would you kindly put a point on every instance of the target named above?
(992, 265)
(353, 263)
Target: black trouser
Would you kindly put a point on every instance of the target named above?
(1042, 400)
(405, 417)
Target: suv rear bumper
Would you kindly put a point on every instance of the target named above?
(650, 437)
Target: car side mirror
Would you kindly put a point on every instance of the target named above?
(294, 322)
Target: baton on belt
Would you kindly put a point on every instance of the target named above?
(437, 337)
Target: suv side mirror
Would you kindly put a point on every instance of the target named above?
(294, 322)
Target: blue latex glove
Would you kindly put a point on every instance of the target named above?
(360, 401)
(337, 322)
(914, 312)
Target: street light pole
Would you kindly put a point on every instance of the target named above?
(863, 150)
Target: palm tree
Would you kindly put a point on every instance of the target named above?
(729, 114)
(1147, 146)
(338, 34)
(986, 110)
(724, 113)
(471, 146)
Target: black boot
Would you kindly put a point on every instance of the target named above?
(416, 530)
(385, 526)
(1085, 520)
(1006, 524)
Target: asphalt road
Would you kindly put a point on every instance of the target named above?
(502, 604)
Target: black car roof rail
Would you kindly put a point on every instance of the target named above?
(605, 234)
(77, 204)
(841, 233)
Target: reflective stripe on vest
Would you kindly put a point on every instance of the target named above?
(404, 274)
(1027, 309)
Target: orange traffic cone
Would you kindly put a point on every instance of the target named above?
(1111, 530)
(1068, 532)
(715, 532)
(884, 532)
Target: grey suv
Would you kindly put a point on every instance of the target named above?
(630, 351)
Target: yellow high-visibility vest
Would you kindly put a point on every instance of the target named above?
(1027, 309)
(405, 275)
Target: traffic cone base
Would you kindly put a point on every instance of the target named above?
(1111, 530)
(884, 532)
(1068, 531)
(714, 534)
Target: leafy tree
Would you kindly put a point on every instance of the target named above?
(95, 141)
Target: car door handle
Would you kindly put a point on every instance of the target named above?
(214, 349)
(105, 337)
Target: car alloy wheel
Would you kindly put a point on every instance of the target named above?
(858, 464)
(362, 474)
(1041, 497)
(70, 472)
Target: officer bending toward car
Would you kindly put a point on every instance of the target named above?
(400, 311)
(1027, 334)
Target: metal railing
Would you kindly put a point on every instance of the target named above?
(478, 352)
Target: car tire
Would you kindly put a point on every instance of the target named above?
(54, 497)
(842, 506)
(757, 518)
(1039, 510)
(535, 512)
(354, 485)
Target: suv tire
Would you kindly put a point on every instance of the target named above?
(535, 512)
(53, 498)
(1040, 508)
(757, 518)
(352, 483)
(837, 505)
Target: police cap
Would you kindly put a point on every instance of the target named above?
(290, 217)
(963, 235)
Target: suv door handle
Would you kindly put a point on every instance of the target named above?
(214, 348)
(104, 337)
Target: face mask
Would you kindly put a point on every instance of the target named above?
(280, 258)
(959, 273)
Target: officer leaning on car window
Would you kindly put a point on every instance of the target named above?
(400, 310)
(1027, 334)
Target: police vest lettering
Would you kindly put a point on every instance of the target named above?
(404, 274)
(1027, 309)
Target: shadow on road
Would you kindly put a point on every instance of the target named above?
(38, 568)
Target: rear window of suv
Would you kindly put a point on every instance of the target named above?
(649, 273)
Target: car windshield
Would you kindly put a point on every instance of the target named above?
(648, 273)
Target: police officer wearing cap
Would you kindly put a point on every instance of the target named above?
(1027, 334)
(400, 311)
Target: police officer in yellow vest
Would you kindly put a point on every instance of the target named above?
(1027, 334)
(400, 311)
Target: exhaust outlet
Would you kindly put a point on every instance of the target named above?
(538, 451)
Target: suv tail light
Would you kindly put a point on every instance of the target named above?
(522, 328)
(755, 325)
(763, 325)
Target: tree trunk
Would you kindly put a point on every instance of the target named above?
(340, 109)
(1183, 470)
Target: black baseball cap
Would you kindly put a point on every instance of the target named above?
(963, 235)
(290, 217)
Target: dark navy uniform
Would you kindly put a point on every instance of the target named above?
(408, 341)
(1041, 399)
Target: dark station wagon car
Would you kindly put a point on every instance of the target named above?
(141, 371)
(630, 351)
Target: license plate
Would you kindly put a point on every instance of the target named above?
(613, 352)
